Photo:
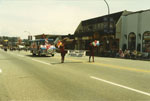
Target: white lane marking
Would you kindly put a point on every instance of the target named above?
(41, 62)
(33, 59)
(0, 71)
(132, 89)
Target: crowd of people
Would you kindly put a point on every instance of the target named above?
(129, 54)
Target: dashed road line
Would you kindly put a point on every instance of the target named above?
(42, 62)
(33, 59)
(122, 86)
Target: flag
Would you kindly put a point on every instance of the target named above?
(56, 40)
(59, 43)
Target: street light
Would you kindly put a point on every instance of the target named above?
(107, 7)
(108, 15)
(107, 18)
(108, 29)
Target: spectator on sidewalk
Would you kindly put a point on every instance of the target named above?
(134, 54)
(121, 54)
(127, 53)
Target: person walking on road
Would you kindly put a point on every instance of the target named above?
(63, 52)
(91, 52)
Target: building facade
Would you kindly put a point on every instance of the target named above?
(135, 33)
(101, 28)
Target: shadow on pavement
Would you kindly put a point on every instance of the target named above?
(38, 56)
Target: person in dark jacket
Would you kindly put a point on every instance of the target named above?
(63, 52)
(91, 52)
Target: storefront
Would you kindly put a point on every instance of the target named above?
(135, 33)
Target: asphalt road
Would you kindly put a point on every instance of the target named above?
(27, 78)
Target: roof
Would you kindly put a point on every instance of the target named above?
(43, 36)
(115, 16)
(141, 11)
(47, 35)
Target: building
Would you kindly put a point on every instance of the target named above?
(135, 33)
(104, 28)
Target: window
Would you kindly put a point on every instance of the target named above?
(132, 41)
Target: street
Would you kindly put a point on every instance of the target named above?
(27, 78)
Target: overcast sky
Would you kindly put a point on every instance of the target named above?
(21, 17)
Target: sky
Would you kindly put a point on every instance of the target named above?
(20, 18)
